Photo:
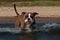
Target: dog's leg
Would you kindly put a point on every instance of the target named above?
(22, 24)
(17, 24)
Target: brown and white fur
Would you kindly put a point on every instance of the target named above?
(25, 20)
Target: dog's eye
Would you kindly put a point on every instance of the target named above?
(31, 16)
(26, 16)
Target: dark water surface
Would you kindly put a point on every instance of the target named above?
(36, 35)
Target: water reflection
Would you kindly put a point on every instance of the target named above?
(31, 36)
(27, 36)
(46, 36)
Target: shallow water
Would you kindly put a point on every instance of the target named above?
(37, 35)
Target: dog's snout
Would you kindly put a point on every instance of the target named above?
(28, 18)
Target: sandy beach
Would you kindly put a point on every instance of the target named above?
(47, 11)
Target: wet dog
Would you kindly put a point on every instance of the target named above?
(25, 20)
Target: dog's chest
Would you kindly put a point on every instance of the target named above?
(21, 18)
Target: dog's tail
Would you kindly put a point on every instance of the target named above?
(15, 9)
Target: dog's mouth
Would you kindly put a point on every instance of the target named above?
(28, 22)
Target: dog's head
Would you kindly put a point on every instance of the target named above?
(29, 17)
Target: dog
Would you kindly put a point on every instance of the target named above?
(25, 20)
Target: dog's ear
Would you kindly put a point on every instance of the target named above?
(35, 13)
(23, 13)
